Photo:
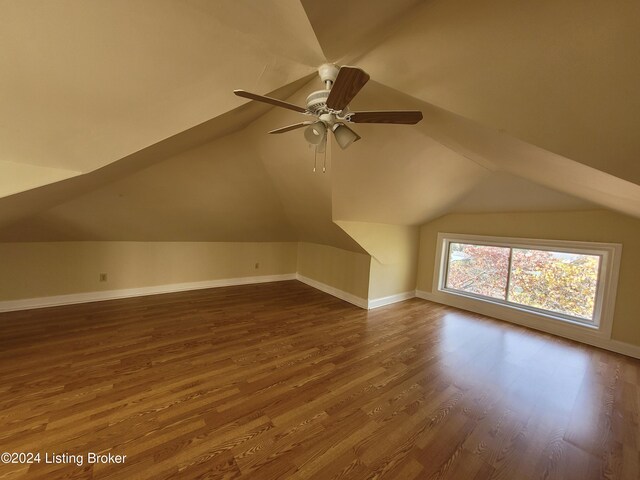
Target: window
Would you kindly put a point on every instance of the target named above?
(558, 282)
(570, 281)
(478, 269)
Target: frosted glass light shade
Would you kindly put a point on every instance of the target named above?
(344, 136)
(314, 134)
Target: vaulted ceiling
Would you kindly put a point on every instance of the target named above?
(118, 120)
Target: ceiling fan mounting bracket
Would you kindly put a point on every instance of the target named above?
(328, 72)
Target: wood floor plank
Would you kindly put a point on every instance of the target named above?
(279, 381)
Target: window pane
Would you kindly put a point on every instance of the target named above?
(478, 269)
(556, 281)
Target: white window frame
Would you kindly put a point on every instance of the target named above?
(557, 323)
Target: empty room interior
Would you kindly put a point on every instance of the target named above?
(357, 239)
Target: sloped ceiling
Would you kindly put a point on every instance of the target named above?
(92, 82)
(347, 29)
(561, 75)
(119, 122)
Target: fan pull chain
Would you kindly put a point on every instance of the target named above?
(315, 158)
(324, 165)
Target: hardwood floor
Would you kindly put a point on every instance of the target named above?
(282, 381)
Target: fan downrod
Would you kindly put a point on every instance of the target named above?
(328, 73)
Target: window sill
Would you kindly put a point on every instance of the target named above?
(558, 326)
(522, 309)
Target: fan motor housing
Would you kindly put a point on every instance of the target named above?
(317, 101)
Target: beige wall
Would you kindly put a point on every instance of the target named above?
(596, 225)
(41, 269)
(341, 269)
(31, 270)
(392, 279)
(394, 252)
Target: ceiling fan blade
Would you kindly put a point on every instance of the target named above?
(272, 101)
(347, 85)
(409, 117)
(290, 127)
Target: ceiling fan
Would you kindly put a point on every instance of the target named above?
(331, 108)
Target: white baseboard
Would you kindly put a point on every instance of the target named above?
(355, 300)
(623, 348)
(342, 295)
(52, 301)
(551, 326)
(57, 300)
(382, 301)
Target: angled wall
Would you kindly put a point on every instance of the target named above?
(335, 271)
(394, 255)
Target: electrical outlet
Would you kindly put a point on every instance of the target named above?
(103, 277)
(257, 266)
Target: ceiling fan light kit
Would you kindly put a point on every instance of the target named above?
(331, 108)
(315, 133)
(344, 135)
